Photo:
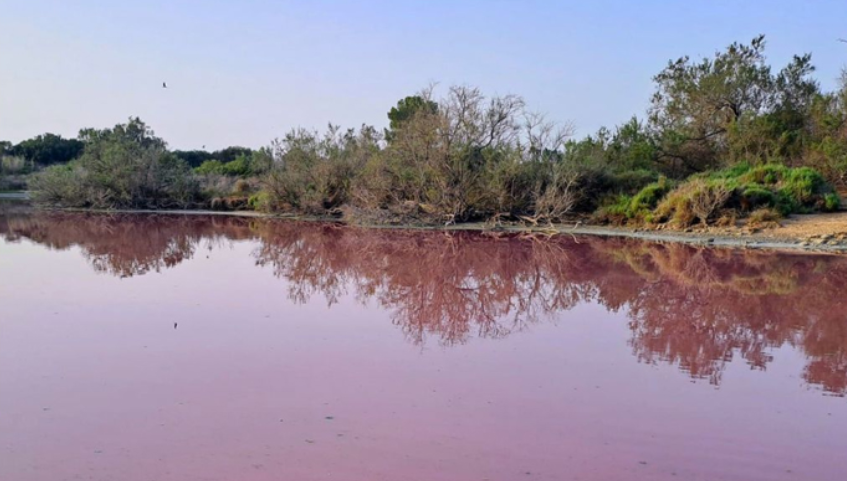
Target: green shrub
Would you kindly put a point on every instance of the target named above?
(633, 181)
(123, 167)
(832, 202)
(260, 201)
(755, 195)
(210, 167)
(638, 208)
(698, 199)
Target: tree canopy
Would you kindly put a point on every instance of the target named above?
(47, 149)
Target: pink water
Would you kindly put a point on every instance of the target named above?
(205, 348)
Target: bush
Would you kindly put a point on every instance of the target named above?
(123, 167)
(764, 217)
(831, 202)
(638, 208)
(695, 200)
(755, 195)
(13, 165)
(242, 166)
(313, 174)
(210, 167)
(630, 182)
(772, 187)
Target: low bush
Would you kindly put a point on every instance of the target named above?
(695, 200)
(636, 209)
(763, 218)
(747, 189)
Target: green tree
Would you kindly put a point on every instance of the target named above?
(48, 149)
(230, 154)
(729, 107)
(406, 109)
(194, 158)
(126, 166)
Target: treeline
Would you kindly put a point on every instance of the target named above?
(725, 137)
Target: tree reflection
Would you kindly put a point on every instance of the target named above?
(695, 308)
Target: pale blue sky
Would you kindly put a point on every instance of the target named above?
(244, 72)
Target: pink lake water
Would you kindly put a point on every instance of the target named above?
(147, 347)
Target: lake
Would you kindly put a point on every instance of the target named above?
(156, 347)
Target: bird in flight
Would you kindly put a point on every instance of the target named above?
(842, 40)
(164, 85)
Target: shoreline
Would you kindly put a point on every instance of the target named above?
(780, 238)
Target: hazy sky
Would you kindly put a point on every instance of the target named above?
(244, 72)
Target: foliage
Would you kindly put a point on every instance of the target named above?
(312, 173)
(48, 149)
(718, 110)
(123, 167)
(472, 158)
(698, 199)
(764, 217)
(405, 110)
(240, 167)
(746, 189)
(12, 165)
(638, 208)
(230, 154)
(193, 158)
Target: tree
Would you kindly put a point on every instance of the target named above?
(231, 153)
(406, 109)
(194, 158)
(48, 149)
(697, 105)
(126, 166)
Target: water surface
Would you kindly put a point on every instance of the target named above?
(140, 347)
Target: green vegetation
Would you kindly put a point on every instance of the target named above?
(725, 137)
(123, 167)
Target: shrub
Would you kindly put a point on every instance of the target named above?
(630, 182)
(764, 217)
(260, 201)
(755, 195)
(638, 208)
(832, 202)
(312, 174)
(775, 187)
(210, 167)
(695, 200)
(123, 167)
(13, 165)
